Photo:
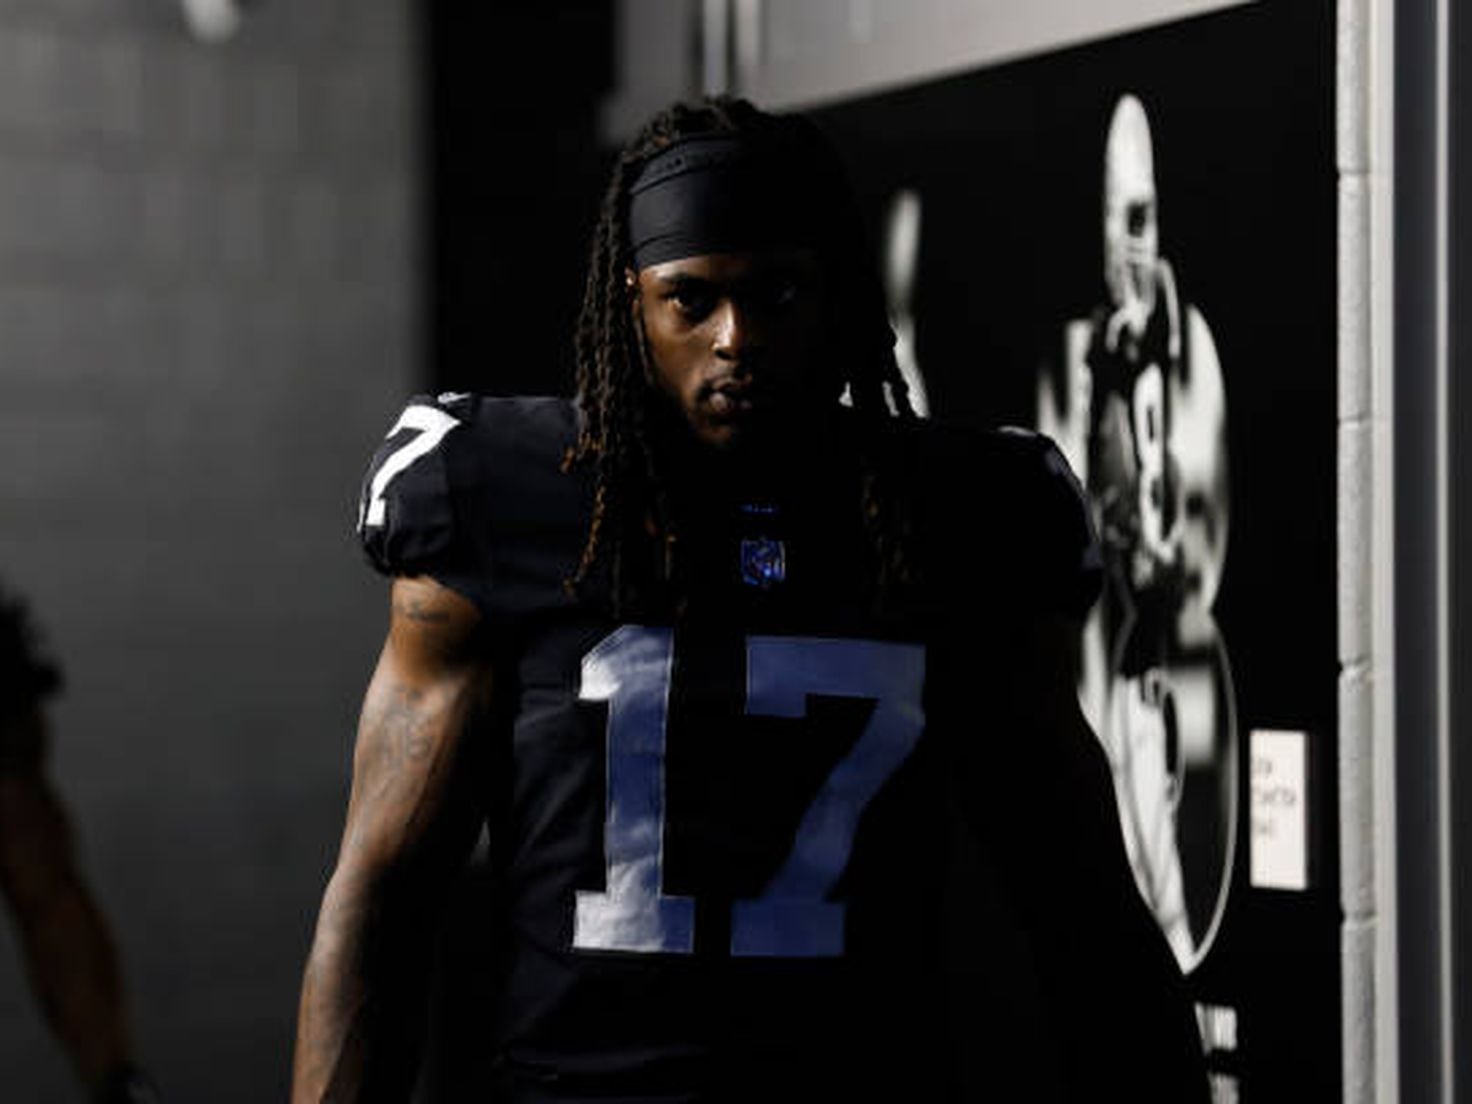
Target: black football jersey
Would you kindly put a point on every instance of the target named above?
(736, 850)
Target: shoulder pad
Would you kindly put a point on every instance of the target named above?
(406, 514)
(471, 490)
(1057, 532)
(1007, 512)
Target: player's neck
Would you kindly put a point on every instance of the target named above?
(773, 469)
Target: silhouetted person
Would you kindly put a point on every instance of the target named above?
(69, 954)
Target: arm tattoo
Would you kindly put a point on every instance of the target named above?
(417, 609)
(398, 751)
(400, 732)
(409, 765)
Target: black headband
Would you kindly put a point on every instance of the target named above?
(715, 194)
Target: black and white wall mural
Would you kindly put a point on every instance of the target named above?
(1130, 245)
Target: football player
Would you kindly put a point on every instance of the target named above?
(69, 953)
(762, 700)
(1141, 415)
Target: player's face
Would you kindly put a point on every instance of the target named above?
(733, 340)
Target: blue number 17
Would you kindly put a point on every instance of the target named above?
(630, 670)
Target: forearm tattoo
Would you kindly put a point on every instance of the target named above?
(416, 608)
(398, 733)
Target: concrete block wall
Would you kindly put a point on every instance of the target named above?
(1356, 687)
(209, 281)
(1366, 663)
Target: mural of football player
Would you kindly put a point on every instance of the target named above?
(1139, 410)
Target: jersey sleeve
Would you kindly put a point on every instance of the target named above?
(1056, 548)
(406, 511)
(470, 490)
(1008, 525)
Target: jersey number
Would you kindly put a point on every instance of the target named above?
(430, 424)
(630, 670)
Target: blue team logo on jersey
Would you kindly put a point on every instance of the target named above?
(763, 562)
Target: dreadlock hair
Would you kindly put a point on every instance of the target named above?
(631, 528)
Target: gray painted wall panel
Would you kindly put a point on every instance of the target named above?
(822, 50)
(207, 317)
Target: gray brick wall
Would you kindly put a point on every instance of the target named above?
(208, 290)
(1366, 748)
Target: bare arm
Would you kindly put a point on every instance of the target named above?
(412, 818)
(69, 952)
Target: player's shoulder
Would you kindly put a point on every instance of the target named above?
(994, 444)
(1008, 461)
(452, 466)
(519, 424)
(1009, 496)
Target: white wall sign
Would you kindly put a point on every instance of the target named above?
(1279, 846)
